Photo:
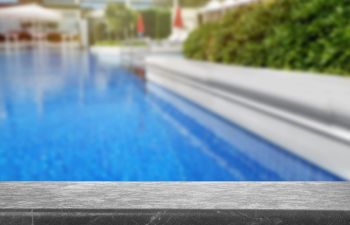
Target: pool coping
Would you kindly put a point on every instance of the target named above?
(306, 114)
(190, 203)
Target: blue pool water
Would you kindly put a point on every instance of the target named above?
(69, 115)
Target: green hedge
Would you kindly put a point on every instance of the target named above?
(312, 35)
(157, 23)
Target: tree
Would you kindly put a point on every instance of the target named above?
(120, 19)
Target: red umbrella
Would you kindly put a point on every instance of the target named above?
(178, 22)
(140, 25)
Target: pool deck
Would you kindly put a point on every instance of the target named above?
(174, 203)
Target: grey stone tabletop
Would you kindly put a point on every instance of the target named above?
(174, 203)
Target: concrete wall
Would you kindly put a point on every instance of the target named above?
(305, 113)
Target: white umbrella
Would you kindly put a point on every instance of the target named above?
(213, 5)
(32, 12)
(233, 3)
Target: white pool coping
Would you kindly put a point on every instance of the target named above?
(305, 113)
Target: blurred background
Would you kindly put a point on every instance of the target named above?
(174, 90)
(94, 22)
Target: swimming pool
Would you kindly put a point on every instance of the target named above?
(69, 115)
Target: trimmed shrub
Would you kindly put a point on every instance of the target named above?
(202, 44)
(311, 35)
(157, 23)
(163, 24)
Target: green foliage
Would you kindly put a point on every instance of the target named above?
(129, 43)
(311, 35)
(120, 19)
(108, 43)
(184, 3)
(122, 22)
(157, 23)
(202, 43)
(164, 24)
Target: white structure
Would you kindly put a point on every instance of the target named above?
(215, 9)
(30, 12)
(69, 23)
(213, 5)
(234, 3)
(33, 13)
(72, 25)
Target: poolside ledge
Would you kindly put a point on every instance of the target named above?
(174, 203)
(307, 114)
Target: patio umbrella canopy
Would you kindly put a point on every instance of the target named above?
(178, 22)
(230, 3)
(213, 5)
(140, 25)
(32, 12)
